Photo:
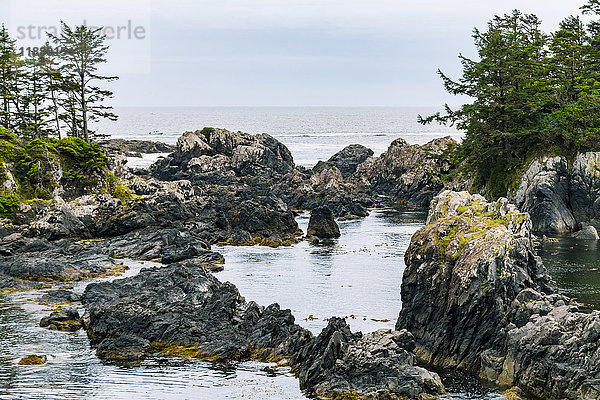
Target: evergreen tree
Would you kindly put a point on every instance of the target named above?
(510, 97)
(54, 84)
(568, 61)
(82, 51)
(8, 60)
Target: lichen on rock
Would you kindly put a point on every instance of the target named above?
(477, 297)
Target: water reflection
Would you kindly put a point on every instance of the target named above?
(357, 276)
(575, 266)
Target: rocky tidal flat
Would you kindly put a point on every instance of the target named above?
(475, 296)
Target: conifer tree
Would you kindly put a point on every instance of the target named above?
(82, 52)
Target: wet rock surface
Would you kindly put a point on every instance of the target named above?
(184, 310)
(59, 296)
(322, 224)
(477, 297)
(342, 364)
(66, 320)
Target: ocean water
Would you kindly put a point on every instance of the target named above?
(357, 276)
(311, 133)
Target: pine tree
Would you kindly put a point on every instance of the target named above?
(510, 97)
(54, 84)
(82, 51)
(8, 60)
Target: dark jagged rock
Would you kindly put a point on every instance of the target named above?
(324, 186)
(183, 310)
(347, 159)
(342, 364)
(475, 296)
(136, 146)
(561, 195)
(322, 224)
(67, 320)
(11, 284)
(409, 173)
(218, 155)
(64, 261)
(59, 296)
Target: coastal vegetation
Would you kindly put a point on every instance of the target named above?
(47, 101)
(54, 92)
(533, 94)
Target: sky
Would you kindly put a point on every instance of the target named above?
(278, 52)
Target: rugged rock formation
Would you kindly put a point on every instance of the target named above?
(561, 196)
(322, 224)
(59, 296)
(475, 296)
(182, 309)
(347, 159)
(587, 233)
(218, 156)
(378, 365)
(409, 173)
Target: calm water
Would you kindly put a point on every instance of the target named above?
(357, 276)
(575, 266)
(311, 133)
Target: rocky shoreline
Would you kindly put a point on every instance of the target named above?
(475, 295)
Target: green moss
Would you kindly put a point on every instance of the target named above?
(117, 189)
(9, 203)
(461, 209)
(206, 131)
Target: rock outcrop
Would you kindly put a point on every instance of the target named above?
(134, 148)
(66, 320)
(475, 296)
(322, 224)
(182, 309)
(409, 173)
(378, 365)
(218, 156)
(561, 196)
(350, 157)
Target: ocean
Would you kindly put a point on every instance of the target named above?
(311, 133)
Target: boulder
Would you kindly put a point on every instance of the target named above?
(477, 297)
(378, 365)
(322, 224)
(66, 320)
(587, 233)
(59, 296)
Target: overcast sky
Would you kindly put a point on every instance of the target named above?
(280, 52)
